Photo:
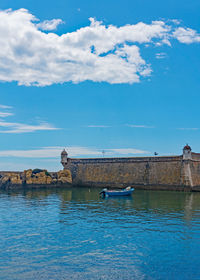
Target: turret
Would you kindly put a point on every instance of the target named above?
(64, 158)
(187, 154)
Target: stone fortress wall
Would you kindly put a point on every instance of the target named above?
(167, 172)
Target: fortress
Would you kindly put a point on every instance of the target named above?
(152, 173)
(165, 172)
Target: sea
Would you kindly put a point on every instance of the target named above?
(73, 233)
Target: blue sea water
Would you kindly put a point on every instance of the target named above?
(75, 234)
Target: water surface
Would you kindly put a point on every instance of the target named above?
(74, 234)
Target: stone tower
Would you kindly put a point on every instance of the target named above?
(187, 152)
(187, 174)
(64, 158)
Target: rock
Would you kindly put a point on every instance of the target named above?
(64, 176)
(11, 178)
(40, 180)
(64, 180)
(27, 173)
(16, 180)
(49, 180)
(40, 174)
(29, 181)
(4, 179)
(35, 177)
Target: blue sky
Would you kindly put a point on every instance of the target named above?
(119, 76)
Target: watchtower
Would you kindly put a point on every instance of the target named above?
(64, 158)
(187, 152)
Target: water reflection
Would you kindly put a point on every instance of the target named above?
(157, 202)
(72, 233)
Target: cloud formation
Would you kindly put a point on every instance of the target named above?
(10, 127)
(5, 114)
(49, 24)
(98, 126)
(5, 107)
(161, 55)
(99, 53)
(188, 128)
(54, 152)
(14, 127)
(139, 126)
(186, 35)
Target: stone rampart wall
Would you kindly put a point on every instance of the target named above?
(121, 172)
(195, 171)
(195, 156)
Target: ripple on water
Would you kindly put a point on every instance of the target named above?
(74, 234)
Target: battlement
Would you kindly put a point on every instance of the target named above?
(164, 172)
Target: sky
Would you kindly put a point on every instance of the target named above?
(99, 78)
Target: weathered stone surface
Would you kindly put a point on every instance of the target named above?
(35, 177)
(27, 173)
(12, 178)
(15, 179)
(49, 180)
(64, 176)
(144, 172)
(5, 179)
(172, 173)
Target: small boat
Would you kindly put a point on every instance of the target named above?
(125, 192)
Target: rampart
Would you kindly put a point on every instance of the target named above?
(167, 172)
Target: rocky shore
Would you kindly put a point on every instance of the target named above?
(34, 178)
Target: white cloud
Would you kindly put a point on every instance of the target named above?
(175, 21)
(188, 128)
(128, 151)
(15, 127)
(96, 52)
(98, 126)
(186, 35)
(5, 107)
(49, 24)
(36, 153)
(11, 127)
(5, 114)
(54, 152)
(161, 55)
(139, 126)
(83, 151)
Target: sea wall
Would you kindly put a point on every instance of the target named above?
(161, 173)
(195, 173)
(142, 172)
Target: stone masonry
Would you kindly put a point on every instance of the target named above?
(167, 172)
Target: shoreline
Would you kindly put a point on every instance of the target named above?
(175, 188)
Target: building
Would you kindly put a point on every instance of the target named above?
(159, 172)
